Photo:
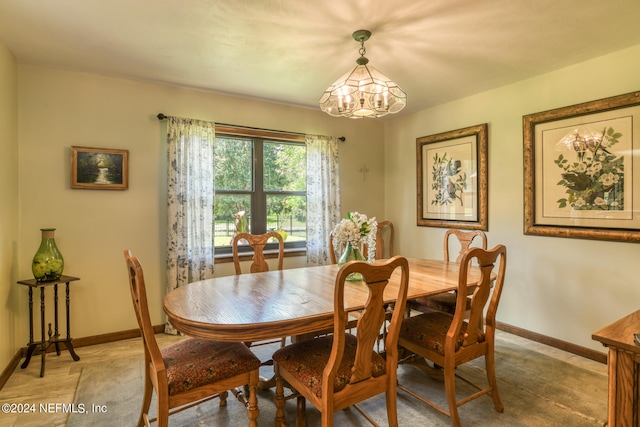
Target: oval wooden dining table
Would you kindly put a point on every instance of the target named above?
(283, 303)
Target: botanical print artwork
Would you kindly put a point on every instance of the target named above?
(451, 176)
(594, 179)
(581, 170)
(449, 181)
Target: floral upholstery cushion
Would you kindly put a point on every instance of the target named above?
(194, 362)
(307, 359)
(442, 302)
(430, 330)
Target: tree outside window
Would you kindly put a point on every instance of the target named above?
(260, 186)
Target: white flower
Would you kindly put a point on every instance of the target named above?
(608, 179)
(599, 201)
(594, 168)
(581, 167)
(357, 229)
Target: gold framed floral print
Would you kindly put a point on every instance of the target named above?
(452, 179)
(582, 170)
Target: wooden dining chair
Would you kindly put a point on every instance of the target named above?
(257, 243)
(335, 249)
(451, 340)
(446, 302)
(337, 371)
(384, 241)
(191, 371)
(384, 250)
(259, 265)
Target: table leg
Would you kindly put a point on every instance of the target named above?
(30, 315)
(67, 306)
(68, 340)
(43, 348)
(421, 363)
(55, 318)
(30, 350)
(266, 383)
(32, 345)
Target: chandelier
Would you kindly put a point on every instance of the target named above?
(363, 91)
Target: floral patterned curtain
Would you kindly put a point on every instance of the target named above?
(323, 195)
(190, 231)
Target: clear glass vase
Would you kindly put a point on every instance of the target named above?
(47, 263)
(351, 253)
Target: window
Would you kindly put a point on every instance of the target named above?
(260, 186)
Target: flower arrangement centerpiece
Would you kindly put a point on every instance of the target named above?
(351, 233)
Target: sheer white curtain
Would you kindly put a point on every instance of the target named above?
(323, 195)
(190, 231)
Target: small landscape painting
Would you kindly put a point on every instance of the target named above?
(99, 168)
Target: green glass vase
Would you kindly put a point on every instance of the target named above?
(48, 262)
(351, 254)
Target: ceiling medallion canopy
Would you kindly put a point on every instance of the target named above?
(363, 91)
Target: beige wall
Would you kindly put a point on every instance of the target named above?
(8, 204)
(59, 109)
(563, 288)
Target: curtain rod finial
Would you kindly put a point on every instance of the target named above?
(342, 139)
(161, 116)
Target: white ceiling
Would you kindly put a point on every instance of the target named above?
(289, 51)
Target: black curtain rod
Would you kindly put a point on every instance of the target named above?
(161, 116)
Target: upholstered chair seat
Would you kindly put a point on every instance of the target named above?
(430, 331)
(193, 363)
(307, 360)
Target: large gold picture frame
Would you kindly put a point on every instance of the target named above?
(582, 170)
(452, 179)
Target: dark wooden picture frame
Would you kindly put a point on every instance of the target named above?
(452, 179)
(582, 170)
(99, 168)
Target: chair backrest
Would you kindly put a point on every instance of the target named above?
(465, 238)
(332, 250)
(482, 299)
(384, 240)
(257, 242)
(141, 307)
(376, 278)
